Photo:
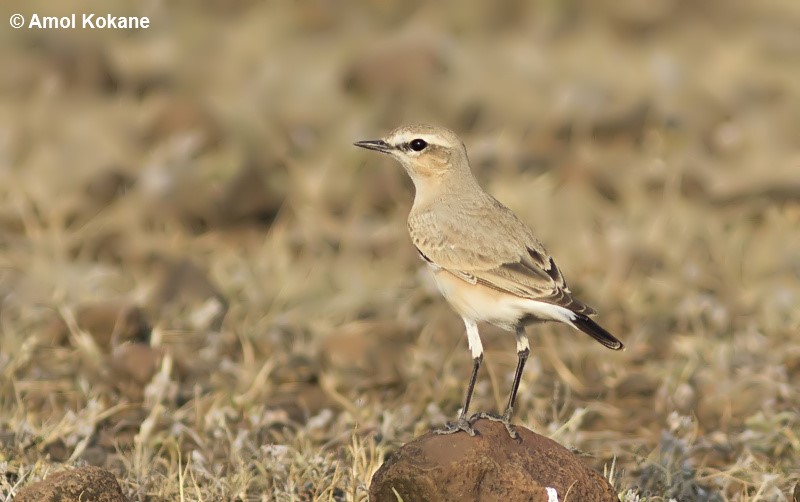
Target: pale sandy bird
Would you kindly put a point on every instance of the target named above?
(485, 260)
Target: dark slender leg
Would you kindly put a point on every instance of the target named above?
(522, 354)
(476, 364)
(523, 357)
(463, 424)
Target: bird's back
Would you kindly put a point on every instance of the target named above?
(470, 232)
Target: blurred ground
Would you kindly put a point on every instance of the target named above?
(206, 289)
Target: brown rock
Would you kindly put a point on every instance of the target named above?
(133, 366)
(366, 353)
(488, 467)
(85, 483)
(136, 361)
(300, 401)
(109, 323)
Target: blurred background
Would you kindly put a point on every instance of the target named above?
(199, 275)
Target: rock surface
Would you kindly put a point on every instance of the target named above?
(488, 467)
(85, 483)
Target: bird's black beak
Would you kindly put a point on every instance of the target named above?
(375, 144)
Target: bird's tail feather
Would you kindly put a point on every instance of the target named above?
(597, 332)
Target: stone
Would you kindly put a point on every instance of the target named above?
(366, 353)
(84, 483)
(300, 402)
(133, 365)
(109, 323)
(490, 466)
(136, 362)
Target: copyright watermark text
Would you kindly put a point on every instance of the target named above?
(80, 21)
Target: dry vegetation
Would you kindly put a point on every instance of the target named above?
(202, 171)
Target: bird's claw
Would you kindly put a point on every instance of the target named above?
(460, 425)
(504, 419)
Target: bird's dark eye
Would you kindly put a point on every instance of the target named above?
(418, 144)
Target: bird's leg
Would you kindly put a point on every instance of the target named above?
(523, 350)
(462, 424)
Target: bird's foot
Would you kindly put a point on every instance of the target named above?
(462, 424)
(504, 419)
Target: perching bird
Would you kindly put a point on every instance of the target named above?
(485, 260)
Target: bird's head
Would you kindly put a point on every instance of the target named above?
(427, 153)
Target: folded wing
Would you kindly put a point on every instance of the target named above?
(500, 253)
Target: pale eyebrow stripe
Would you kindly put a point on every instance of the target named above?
(406, 139)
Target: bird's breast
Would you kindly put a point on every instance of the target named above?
(480, 303)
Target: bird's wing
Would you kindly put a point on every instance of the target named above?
(492, 247)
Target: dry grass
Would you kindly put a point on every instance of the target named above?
(654, 146)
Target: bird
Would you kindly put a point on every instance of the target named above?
(485, 260)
